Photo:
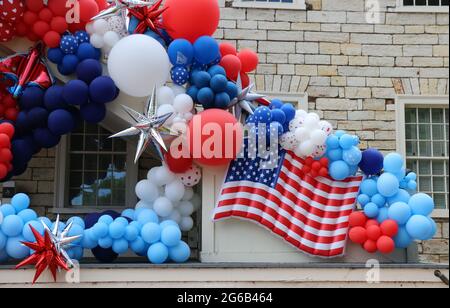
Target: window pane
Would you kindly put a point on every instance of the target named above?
(90, 162)
(438, 184)
(438, 168)
(76, 162)
(408, 2)
(424, 184)
(425, 148)
(434, 2)
(424, 167)
(411, 148)
(437, 115)
(440, 201)
(410, 115)
(76, 179)
(424, 115)
(105, 144)
(76, 143)
(119, 145)
(411, 131)
(424, 132)
(439, 149)
(421, 2)
(438, 132)
(412, 165)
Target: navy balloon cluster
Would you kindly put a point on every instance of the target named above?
(73, 49)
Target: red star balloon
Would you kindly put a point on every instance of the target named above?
(148, 17)
(45, 255)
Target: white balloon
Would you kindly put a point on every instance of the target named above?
(175, 191)
(183, 103)
(100, 26)
(188, 194)
(143, 205)
(164, 176)
(97, 40)
(302, 134)
(186, 208)
(318, 137)
(163, 207)
(111, 38)
(147, 191)
(137, 64)
(178, 119)
(295, 123)
(116, 24)
(306, 148)
(312, 121)
(165, 109)
(177, 90)
(326, 127)
(165, 96)
(188, 116)
(186, 224)
(191, 177)
(319, 151)
(196, 201)
(301, 113)
(289, 141)
(151, 175)
(175, 216)
(90, 28)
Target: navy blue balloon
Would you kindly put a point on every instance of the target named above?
(181, 52)
(201, 79)
(22, 151)
(31, 97)
(276, 104)
(55, 55)
(222, 100)
(68, 65)
(278, 116)
(192, 91)
(19, 169)
(179, 75)
(86, 51)
(35, 148)
(69, 44)
(289, 111)
(104, 255)
(216, 70)
(371, 162)
(219, 83)
(206, 97)
(61, 122)
(232, 90)
(22, 124)
(262, 115)
(199, 66)
(76, 92)
(37, 117)
(53, 98)
(102, 90)
(93, 112)
(206, 50)
(98, 54)
(82, 37)
(88, 70)
(45, 139)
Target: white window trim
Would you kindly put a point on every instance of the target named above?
(403, 101)
(61, 180)
(296, 5)
(400, 8)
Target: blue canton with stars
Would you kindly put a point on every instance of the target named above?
(256, 169)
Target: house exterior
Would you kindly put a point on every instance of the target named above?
(375, 68)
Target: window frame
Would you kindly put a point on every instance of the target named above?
(62, 177)
(429, 101)
(295, 5)
(400, 8)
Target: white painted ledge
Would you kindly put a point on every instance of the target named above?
(298, 5)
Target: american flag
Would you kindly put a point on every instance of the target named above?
(309, 213)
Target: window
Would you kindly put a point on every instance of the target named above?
(425, 142)
(97, 171)
(422, 6)
(271, 4)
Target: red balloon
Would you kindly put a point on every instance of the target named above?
(370, 246)
(191, 19)
(373, 232)
(52, 39)
(58, 7)
(245, 80)
(5, 141)
(309, 161)
(306, 169)
(46, 15)
(30, 18)
(357, 219)
(316, 166)
(2, 111)
(59, 24)
(249, 60)
(178, 165)
(215, 137)
(88, 9)
(227, 49)
(358, 235)
(323, 172)
(371, 222)
(102, 4)
(35, 5)
(324, 161)
(9, 101)
(21, 29)
(12, 10)
(3, 171)
(7, 31)
(5, 155)
(32, 36)
(7, 129)
(40, 28)
(232, 66)
(389, 228)
(385, 244)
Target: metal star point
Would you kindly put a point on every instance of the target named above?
(244, 100)
(148, 126)
(119, 7)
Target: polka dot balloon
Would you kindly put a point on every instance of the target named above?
(180, 75)
(69, 44)
(191, 177)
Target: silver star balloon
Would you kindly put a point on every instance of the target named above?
(61, 240)
(244, 100)
(119, 7)
(148, 126)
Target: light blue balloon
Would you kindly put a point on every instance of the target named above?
(369, 187)
(151, 233)
(120, 246)
(15, 249)
(28, 234)
(7, 209)
(383, 214)
(87, 242)
(402, 239)
(363, 199)
(121, 220)
(129, 213)
(332, 142)
(354, 170)
(421, 204)
(340, 133)
(393, 163)
(106, 219)
(27, 215)
(77, 221)
(388, 185)
(3, 240)
(352, 156)
(147, 216)
(346, 141)
(412, 185)
(138, 245)
(75, 253)
(90, 234)
(61, 225)
(100, 229)
(419, 227)
(171, 236)
(433, 229)
(401, 196)
(400, 212)
(400, 175)
(371, 210)
(167, 223)
(20, 202)
(412, 176)
(379, 200)
(12, 225)
(131, 233)
(339, 170)
(76, 230)
(334, 154)
(105, 242)
(116, 230)
(46, 221)
(180, 253)
(158, 253)
(137, 225)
